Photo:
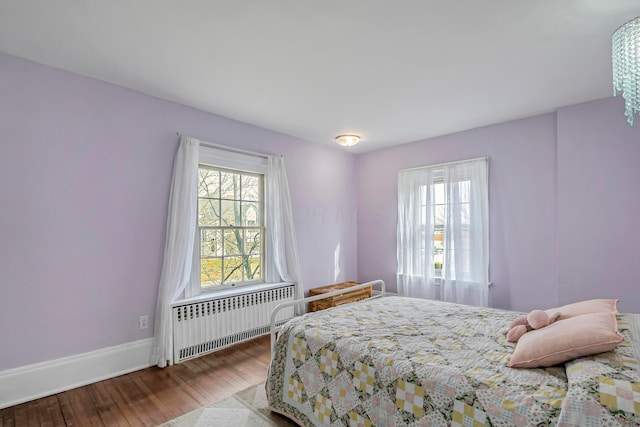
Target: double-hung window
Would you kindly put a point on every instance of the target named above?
(434, 201)
(442, 209)
(230, 237)
(230, 227)
(443, 232)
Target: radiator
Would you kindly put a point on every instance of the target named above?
(205, 326)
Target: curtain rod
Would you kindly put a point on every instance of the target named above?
(226, 147)
(445, 164)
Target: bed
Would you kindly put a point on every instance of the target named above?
(396, 361)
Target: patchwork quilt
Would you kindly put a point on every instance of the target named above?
(398, 361)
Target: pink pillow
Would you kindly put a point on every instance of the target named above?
(565, 340)
(585, 307)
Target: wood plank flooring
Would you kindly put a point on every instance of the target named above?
(151, 396)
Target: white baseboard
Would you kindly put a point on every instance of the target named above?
(31, 382)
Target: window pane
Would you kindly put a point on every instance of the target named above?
(438, 213)
(252, 241)
(208, 212)
(438, 247)
(208, 183)
(210, 243)
(232, 269)
(253, 267)
(230, 213)
(210, 271)
(233, 242)
(250, 214)
(250, 188)
(438, 193)
(230, 185)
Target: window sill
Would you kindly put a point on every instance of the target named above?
(240, 290)
(438, 282)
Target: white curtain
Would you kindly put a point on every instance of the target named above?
(279, 222)
(416, 272)
(178, 251)
(454, 197)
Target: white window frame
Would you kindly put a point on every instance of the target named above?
(438, 179)
(233, 161)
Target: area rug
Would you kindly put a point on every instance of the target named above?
(247, 408)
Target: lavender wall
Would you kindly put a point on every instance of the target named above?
(598, 203)
(521, 176)
(84, 184)
(563, 205)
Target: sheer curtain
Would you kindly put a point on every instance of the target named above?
(178, 251)
(455, 198)
(279, 222)
(416, 271)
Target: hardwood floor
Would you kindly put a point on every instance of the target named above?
(151, 396)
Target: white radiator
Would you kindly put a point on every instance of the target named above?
(205, 326)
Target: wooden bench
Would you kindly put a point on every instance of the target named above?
(337, 300)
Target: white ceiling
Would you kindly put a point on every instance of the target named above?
(392, 71)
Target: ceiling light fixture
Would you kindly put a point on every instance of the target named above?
(625, 51)
(348, 140)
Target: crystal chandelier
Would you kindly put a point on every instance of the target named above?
(625, 51)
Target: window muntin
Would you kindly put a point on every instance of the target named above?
(230, 227)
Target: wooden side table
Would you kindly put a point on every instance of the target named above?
(337, 300)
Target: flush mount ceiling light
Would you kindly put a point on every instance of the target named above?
(348, 140)
(625, 51)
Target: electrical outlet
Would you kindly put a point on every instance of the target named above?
(144, 322)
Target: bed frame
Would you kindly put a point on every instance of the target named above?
(274, 329)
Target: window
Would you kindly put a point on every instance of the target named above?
(222, 205)
(435, 205)
(443, 232)
(230, 228)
